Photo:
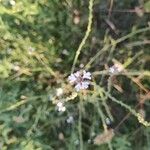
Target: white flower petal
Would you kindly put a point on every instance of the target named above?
(82, 86)
(86, 75)
(63, 109)
(59, 104)
(72, 78)
(77, 74)
(85, 85)
(60, 107)
(111, 70)
(78, 87)
(115, 69)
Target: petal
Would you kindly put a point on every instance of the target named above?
(63, 109)
(59, 104)
(86, 75)
(115, 69)
(85, 85)
(72, 78)
(78, 87)
(77, 74)
(111, 70)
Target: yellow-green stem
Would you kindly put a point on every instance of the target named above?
(89, 26)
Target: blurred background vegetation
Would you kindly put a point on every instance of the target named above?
(38, 42)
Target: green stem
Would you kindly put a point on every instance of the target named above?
(89, 26)
(80, 125)
(106, 47)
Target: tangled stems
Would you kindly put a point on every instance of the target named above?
(91, 2)
(106, 47)
(137, 115)
(100, 112)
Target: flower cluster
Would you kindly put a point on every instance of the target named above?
(81, 80)
(60, 107)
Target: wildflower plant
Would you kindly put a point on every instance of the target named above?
(43, 106)
(80, 79)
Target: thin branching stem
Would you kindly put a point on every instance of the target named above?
(106, 47)
(133, 112)
(89, 26)
(80, 124)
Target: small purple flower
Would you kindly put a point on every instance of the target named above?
(80, 79)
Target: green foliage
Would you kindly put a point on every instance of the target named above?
(122, 143)
(38, 43)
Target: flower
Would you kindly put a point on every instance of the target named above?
(116, 68)
(60, 107)
(59, 91)
(86, 75)
(70, 120)
(82, 85)
(80, 79)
